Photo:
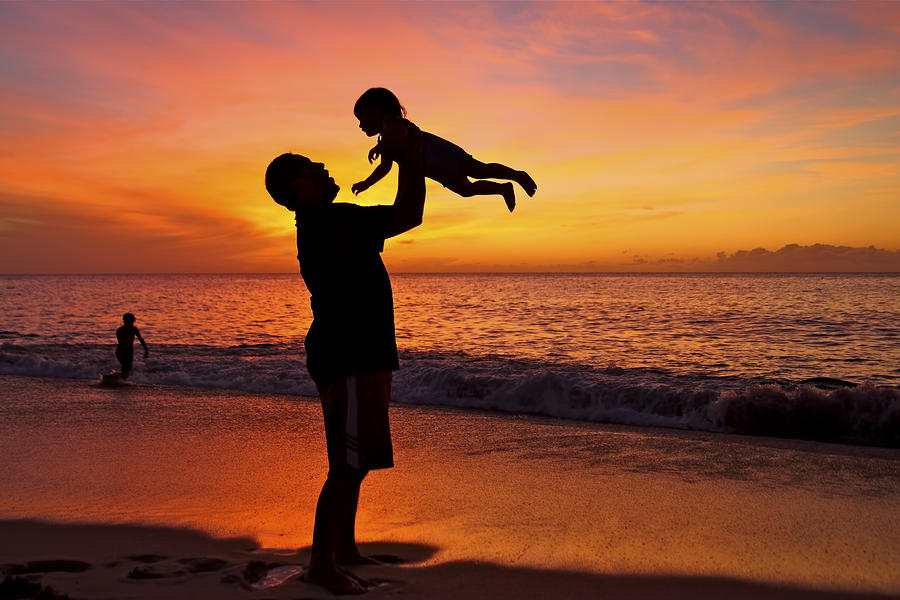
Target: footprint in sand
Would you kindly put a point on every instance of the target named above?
(192, 565)
(261, 575)
(146, 558)
(204, 565)
(152, 573)
(46, 566)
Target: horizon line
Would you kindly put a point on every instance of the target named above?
(156, 273)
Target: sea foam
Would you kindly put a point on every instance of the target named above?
(862, 414)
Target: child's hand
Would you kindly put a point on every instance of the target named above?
(374, 153)
(358, 187)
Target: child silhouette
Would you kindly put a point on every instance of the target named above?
(380, 113)
(125, 349)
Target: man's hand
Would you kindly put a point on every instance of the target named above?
(374, 153)
(358, 187)
(146, 353)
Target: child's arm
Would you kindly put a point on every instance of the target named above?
(143, 343)
(375, 152)
(383, 168)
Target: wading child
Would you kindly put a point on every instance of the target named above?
(380, 113)
(125, 349)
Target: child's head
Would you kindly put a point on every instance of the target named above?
(128, 318)
(296, 182)
(374, 106)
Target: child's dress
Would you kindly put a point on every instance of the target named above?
(444, 161)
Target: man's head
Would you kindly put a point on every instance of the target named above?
(297, 183)
(128, 318)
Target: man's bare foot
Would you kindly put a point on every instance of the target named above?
(360, 580)
(527, 183)
(509, 196)
(334, 581)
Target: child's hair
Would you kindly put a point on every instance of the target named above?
(381, 98)
(128, 318)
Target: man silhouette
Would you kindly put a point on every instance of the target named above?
(351, 349)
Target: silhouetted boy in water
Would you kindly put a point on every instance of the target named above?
(125, 350)
(379, 112)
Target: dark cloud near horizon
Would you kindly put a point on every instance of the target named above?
(792, 258)
(817, 257)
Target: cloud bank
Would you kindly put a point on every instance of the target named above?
(818, 257)
(792, 258)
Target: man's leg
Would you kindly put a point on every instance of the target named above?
(357, 432)
(374, 391)
(335, 509)
(346, 552)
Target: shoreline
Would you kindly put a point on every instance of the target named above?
(764, 412)
(487, 503)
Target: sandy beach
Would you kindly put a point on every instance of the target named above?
(153, 492)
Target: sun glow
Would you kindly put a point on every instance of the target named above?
(134, 136)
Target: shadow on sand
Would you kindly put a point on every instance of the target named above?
(92, 560)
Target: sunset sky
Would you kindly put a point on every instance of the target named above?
(663, 136)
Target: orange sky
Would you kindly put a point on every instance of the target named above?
(134, 136)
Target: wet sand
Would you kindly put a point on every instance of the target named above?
(479, 506)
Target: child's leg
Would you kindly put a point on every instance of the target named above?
(479, 170)
(467, 189)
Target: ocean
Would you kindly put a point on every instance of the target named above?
(794, 355)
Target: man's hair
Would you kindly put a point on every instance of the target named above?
(382, 99)
(128, 318)
(279, 175)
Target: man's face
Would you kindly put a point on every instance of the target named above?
(313, 186)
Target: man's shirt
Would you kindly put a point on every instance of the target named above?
(339, 248)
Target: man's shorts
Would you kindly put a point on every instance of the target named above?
(357, 430)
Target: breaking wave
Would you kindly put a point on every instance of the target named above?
(820, 408)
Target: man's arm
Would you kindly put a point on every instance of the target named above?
(409, 205)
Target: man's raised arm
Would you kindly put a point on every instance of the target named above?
(410, 202)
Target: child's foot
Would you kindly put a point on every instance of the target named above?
(527, 183)
(509, 196)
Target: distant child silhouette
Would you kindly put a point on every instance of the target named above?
(380, 113)
(125, 350)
